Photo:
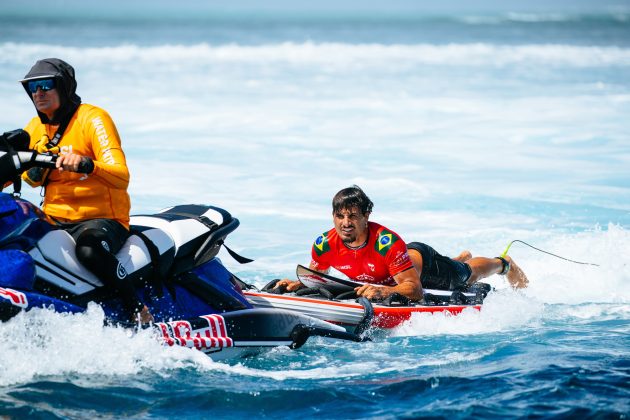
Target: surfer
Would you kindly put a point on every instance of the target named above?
(377, 256)
(87, 193)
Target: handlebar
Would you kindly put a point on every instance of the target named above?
(16, 158)
(13, 163)
(29, 159)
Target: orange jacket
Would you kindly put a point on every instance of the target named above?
(73, 197)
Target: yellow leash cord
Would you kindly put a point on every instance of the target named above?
(543, 251)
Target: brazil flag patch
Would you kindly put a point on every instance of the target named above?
(321, 244)
(384, 242)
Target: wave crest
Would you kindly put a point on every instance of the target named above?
(333, 54)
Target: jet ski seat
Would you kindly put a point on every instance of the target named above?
(163, 245)
(197, 233)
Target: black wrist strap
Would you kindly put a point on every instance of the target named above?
(506, 266)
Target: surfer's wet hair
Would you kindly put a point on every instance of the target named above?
(352, 197)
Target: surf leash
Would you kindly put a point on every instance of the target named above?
(545, 252)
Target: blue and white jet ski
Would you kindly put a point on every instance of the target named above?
(172, 257)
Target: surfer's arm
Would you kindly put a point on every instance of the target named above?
(408, 284)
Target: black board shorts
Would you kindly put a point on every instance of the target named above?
(112, 232)
(440, 272)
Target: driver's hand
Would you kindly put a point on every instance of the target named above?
(72, 162)
(69, 162)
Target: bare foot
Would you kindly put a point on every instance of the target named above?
(144, 316)
(463, 256)
(515, 275)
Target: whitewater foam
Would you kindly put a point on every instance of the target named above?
(334, 56)
(42, 343)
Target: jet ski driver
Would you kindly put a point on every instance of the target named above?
(87, 193)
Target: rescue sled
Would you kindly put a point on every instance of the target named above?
(333, 300)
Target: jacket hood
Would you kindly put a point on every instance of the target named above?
(66, 86)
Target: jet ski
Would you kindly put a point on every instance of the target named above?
(333, 300)
(171, 257)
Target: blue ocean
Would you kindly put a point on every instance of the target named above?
(469, 124)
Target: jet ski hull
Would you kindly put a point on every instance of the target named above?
(220, 336)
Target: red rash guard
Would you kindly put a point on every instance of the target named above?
(383, 256)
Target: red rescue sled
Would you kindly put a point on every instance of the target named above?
(332, 299)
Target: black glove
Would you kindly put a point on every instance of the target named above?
(86, 166)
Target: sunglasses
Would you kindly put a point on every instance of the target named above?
(45, 85)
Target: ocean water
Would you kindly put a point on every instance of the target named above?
(469, 126)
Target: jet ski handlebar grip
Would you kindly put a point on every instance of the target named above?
(26, 160)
